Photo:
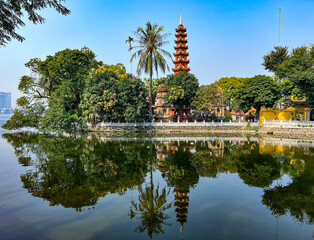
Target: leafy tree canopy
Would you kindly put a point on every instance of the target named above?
(182, 89)
(53, 91)
(151, 208)
(257, 92)
(297, 66)
(230, 87)
(12, 12)
(72, 86)
(275, 58)
(113, 94)
(207, 98)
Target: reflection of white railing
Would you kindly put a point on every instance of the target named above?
(175, 139)
(287, 124)
(172, 124)
(189, 139)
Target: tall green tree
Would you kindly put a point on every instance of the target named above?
(111, 93)
(182, 88)
(230, 87)
(275, 58)
(257, 92)
(53, 90)
(297, 67)
(207, 98)
(133, 99)
(151, 54)
(12, 12)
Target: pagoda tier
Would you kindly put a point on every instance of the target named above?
(180, 46)
(180, 69)
(181, 34)
(182, 53)
(181, 62)
(181, 40)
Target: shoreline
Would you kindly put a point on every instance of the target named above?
(305, 133)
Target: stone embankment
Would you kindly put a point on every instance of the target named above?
(306, 133)
(171, 127)
(294, 132)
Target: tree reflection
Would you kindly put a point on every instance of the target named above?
(151, 204)
(255, 169)
(181, 170)
(211, 159)
(297, 198)
(182, 175)
(75, 172)
(150, 209)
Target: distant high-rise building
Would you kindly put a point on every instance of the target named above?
(5, 100)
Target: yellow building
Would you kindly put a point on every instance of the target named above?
(163, 111)
(300, 112)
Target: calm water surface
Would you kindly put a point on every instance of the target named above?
(92, 187)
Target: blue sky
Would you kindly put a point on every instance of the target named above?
(225, 38)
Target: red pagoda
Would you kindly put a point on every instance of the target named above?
(163, 111)
(181, 61)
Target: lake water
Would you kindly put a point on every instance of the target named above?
(96, 187)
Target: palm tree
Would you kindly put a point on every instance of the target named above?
(151, 55)
(129, 41)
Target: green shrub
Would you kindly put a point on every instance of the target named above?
(227, 118)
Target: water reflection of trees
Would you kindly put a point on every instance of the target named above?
(150, 209)
(184, 163)
(75, 172)
(297, 198)
(255, 169)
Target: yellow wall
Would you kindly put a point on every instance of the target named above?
(285, 115)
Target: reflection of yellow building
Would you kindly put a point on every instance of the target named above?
(300, 112)
(217, 148)
(267, 148)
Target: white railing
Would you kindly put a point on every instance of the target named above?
(287, 124)
(172, 124)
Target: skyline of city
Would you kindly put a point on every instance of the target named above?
(5, 100)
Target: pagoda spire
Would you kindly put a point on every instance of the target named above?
(181, 62)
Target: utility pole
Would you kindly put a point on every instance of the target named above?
(279, 24)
